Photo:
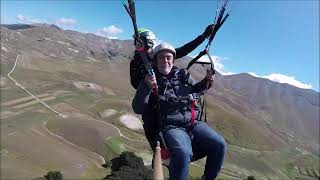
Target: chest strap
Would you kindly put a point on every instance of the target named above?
(192, 111)
(190, 97)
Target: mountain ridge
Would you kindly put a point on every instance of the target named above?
(55, 42)
(257, 117)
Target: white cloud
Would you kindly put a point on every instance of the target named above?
(28, 20)
(109, 32)
(276, 77)
(287, 79)
(217, 63)
(280, 78)
(253, 74)
(31, 20)
(65, 21)
(20, 17)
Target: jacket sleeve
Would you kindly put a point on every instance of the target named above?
(190, 46)
(196, 87)
(200, 86)
(141, 98)
(137, 71)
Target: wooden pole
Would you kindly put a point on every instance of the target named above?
(157, 170)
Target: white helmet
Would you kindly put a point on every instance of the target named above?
(163, 47)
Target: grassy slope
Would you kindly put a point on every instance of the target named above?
(28, 148)
(235, 130)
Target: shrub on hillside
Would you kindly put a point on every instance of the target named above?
(130, 167)
(107, 164)
(127, 159)
(53, 175)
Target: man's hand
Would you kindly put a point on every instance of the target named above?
(210, 77)
(151, 81)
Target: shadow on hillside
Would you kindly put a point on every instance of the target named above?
(17, 26)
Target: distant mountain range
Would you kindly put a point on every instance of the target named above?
(267, 125)
(277, 115)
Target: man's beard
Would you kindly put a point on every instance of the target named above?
(165, 69)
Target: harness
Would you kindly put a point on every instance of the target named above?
(218, 22)
(191, 99)
(185, 100)
(190, 102)
(175, 95)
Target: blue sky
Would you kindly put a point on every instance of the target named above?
(278, 40)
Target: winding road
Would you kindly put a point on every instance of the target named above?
(62, 114)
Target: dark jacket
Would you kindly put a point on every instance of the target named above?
(137, 69)
(175, 94)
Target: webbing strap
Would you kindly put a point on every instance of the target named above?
(205, 103)
(141, 49)
(205, 106)
(207, 84)
(192, 111)
(179, 98)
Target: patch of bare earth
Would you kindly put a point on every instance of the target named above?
(66, 109)
(131, 122)
(85, 132)
(92, 87)
(33, 102)
(6, 114)
(108, 90)
(22, 100)
(3, 82)
(108, 113)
